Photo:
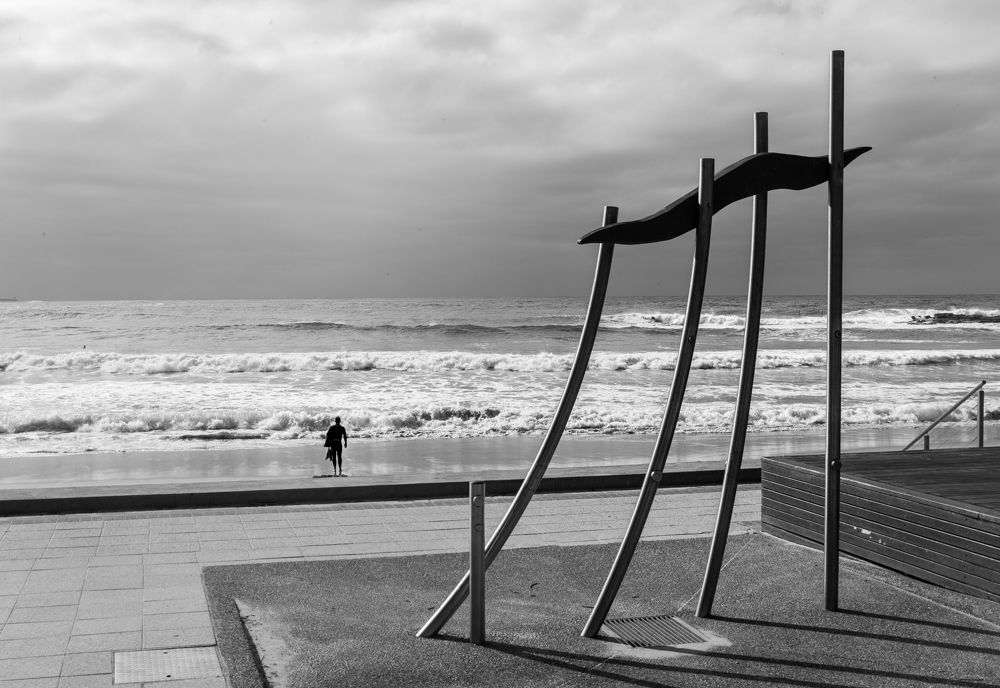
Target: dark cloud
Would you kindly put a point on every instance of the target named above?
(229, 149)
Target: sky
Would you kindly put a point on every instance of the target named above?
(430, 148)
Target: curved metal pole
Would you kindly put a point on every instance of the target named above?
(751, 336)
(692, 316)
(548, 448)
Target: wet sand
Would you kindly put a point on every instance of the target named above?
(413, 457)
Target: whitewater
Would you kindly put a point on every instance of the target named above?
(79, 377)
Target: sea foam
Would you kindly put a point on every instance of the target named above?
(437, 361)
(471, 421)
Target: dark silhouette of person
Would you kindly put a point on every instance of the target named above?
(335, 449)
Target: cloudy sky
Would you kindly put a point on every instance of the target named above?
(224, 148)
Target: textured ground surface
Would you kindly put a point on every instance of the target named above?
(352, 622)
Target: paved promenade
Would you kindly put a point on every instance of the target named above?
(75, 590)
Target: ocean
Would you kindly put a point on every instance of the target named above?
(150, 376)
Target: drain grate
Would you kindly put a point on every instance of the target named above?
(174, 664)
(653, 631)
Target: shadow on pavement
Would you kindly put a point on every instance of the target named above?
(352, 622)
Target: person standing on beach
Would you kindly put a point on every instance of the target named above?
(335, 449)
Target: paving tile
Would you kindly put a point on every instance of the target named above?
(51, 563)
(111, 624)
(11, 582)
(319, 540)
(169, 529)
(331, 550)
(361, 529)
(8, 600)
(155, 538)
(313, 531)
(151, 581)
(126, 525)
(31, 647)
(213, 526)
(90, 681)
(174, 592)
(269, 543)
(83, 663)
(49, 682)
(219, 555)
(74, 542)
(218, 545)
(30, 667)
(191, 604)
(173, 547)
(171, 558)
(7, 552)
(277, 553)
(80, 526)
(54, 580)
(70, 551)
(48, 599)
(261, 516)
(110, 550)
(21, 528)
(311, 522)
(21, 537)
(102, 604)
(113, 577)
(16, 564)
(36, 614)
(216, 518)
(178, 637)
(36, 629)
(131, 539)
(161, 622)
(269, 530)
(128, 640)
(221, 535)
(186, 569)
(87, 531)
(116, 560)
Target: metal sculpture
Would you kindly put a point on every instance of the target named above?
(754, 176)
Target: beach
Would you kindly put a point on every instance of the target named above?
(178, 390)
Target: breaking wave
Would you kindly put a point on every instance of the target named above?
(462, 421)
(440, 361)
(865, 319)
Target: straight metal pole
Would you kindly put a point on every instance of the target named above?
(981, 415)
(834, 338)
(751, 336)
(477, 563)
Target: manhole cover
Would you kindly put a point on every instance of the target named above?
(166, 665)
(653, 631)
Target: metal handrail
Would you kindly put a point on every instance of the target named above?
(947, 413)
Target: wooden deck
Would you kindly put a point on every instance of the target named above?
(933, 515)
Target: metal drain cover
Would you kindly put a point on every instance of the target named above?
(166, 665)
(653, 631)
